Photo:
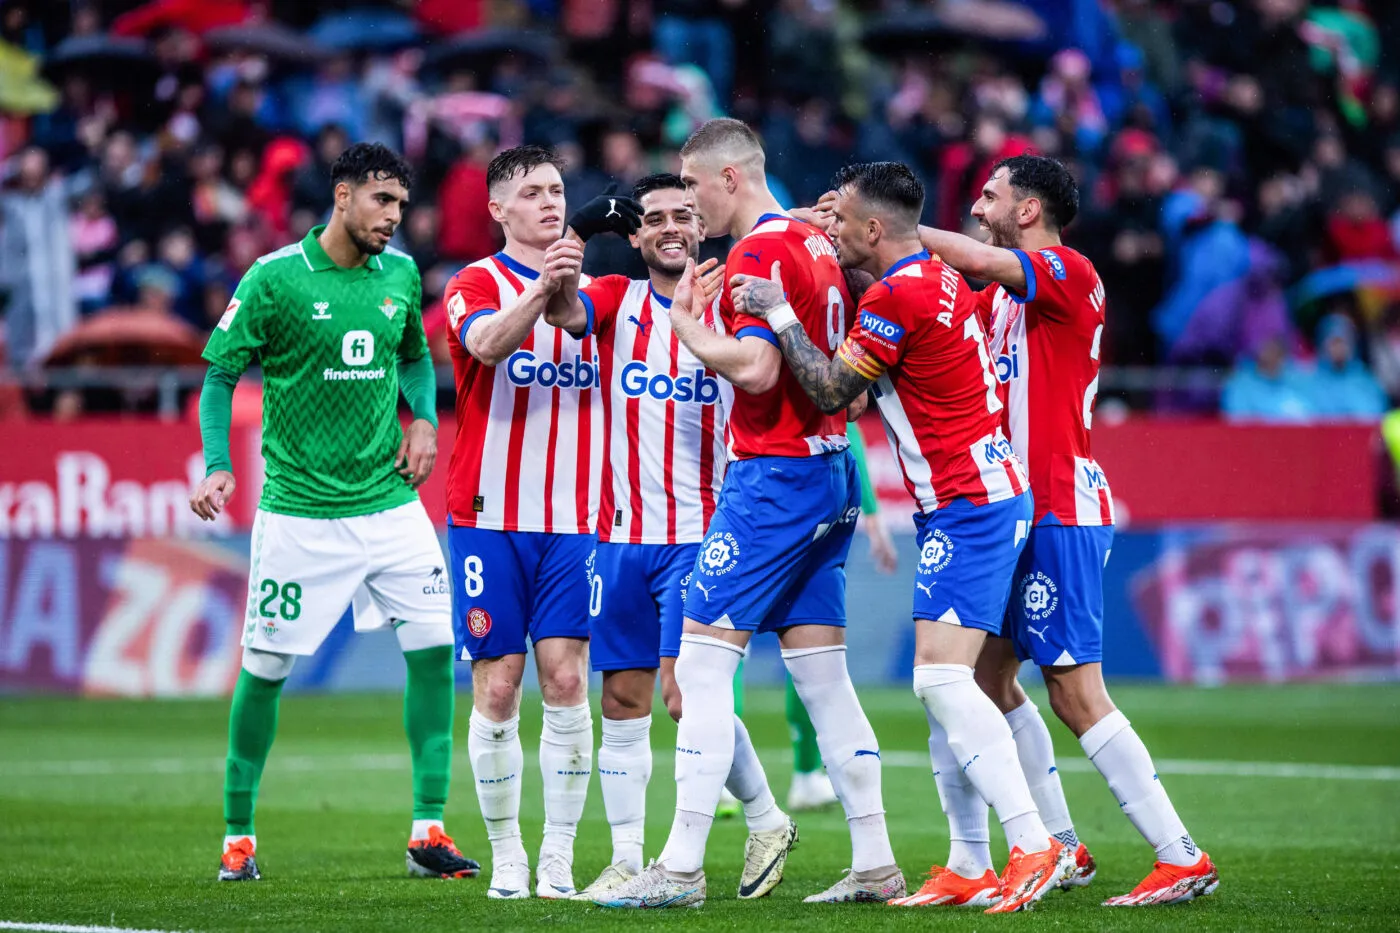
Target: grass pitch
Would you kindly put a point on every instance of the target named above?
(110, 816)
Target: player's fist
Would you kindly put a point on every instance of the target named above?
(607, 213)
(563, 260)
(212, 494)
(755, 295)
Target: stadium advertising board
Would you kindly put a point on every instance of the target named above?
(120, 616)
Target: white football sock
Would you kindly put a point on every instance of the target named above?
(969, 847)
(566, 763)
(497, 763)
(1122, 759)
(749, 784)
(1037, 755)
(421, 827)
(624, 769)
(981, 742)
(848, 746)
(704, 745)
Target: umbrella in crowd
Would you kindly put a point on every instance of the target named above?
(108, 59)
(1363, 276)
(128, 338)
(274, 41)
(365, 30)
(198, 16)
(481, 50)
(980, 23)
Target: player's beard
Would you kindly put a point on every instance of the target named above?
(1004, 234)
(369, 247)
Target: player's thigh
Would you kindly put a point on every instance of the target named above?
(816, 595)
(760, 541)
(624, 624)
(492, 577)
(563, 587)
(1056, 607)
(303, 573)
(407, 580)
(967, 558)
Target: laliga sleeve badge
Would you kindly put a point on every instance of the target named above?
(478, 622)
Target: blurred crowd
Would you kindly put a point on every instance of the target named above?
(1239, 160)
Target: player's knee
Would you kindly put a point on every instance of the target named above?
(564, 685)
(496, 697)
(621, 705)
(1001, 689)
(1076, 707)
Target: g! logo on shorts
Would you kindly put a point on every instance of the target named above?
(478, 622)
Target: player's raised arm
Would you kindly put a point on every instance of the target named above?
(975, 260)
(490, 338)
(833, 383)
(565, 308)
(749, 363)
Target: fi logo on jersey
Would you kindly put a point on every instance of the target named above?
(357, 348)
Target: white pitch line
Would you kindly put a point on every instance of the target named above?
(892, 758)
(69, 928)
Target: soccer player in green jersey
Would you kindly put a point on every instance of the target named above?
(336, 323)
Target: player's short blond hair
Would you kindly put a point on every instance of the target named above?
(725, 140)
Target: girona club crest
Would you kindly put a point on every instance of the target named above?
(478, 622)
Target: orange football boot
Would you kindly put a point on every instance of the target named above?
(945, 887)
(1028, 878)
(1171, 884)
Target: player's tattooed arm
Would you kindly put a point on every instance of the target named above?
(830, 383)
(974, 259)
(751, 364)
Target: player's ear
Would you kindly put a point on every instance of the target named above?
(342, 195)
(1030, 211)
(498, 213)
(730, 176)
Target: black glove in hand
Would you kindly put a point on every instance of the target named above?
(607, 213)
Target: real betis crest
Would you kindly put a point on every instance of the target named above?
(389, 308)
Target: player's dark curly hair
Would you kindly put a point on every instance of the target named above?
(363, 161)
(520, 161)
(658, 182)
(891, 186)
(1047, 179)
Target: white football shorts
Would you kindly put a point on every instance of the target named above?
(304, 572)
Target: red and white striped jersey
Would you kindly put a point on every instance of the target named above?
(663, 417)
(917, 335)
(1046, 345)
(783, 422)
(529, 444)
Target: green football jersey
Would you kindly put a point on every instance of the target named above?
(329, 341)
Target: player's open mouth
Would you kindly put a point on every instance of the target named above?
(671, 248)
(551, 221)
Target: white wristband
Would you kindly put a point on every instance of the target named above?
(782, 317)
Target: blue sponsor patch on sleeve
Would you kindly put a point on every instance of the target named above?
(1057, 265)
(878, 326)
